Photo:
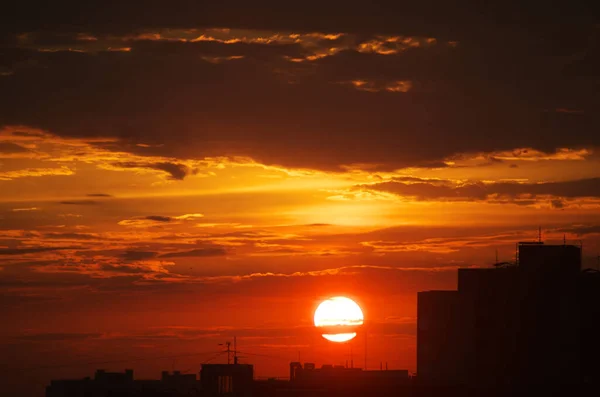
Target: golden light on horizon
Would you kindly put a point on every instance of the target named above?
(338, 317)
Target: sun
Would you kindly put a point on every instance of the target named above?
(338, 318)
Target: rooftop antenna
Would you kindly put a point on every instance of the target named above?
(540, 234)
(235, 357)
(228, 344)
(496, 255)
(565, 239)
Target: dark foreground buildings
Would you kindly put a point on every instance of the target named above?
(215, 380)
(237, 380)
(510, 330)
(531, 324)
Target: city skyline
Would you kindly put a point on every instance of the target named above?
(507, 329)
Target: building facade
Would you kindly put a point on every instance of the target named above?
(521, 324)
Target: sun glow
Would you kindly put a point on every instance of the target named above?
(338, 317)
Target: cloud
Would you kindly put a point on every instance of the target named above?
(581, 230)
(79, 202)
(124, 269)
(72, 236)
(25, 209)
(461, 91)
(30, 250)
(12, 148)
(175, 171)
(145, 221)
(199, 252)
(375, 86)
(58, 337)
(99, 195)
(445, 190)
(153, 220)
(35, 172)
(138, 255)
(158, 218)
(186, 217)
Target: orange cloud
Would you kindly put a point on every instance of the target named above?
(35, 172)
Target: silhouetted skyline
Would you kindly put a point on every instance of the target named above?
(509, 329)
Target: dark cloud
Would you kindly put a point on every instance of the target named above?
(432, 190)
(99, 195)
(138, 255)
(570, 189)
(581, 229)
(127, 269)
(72, 236)
(31, 250)
(185, 107)
(453, 20)
(79, 202)
(12, 148)
(216, 49)
(28, 134)
(9, 300)
(57, 337)
(200, 252)
(443, 190)
(158, 218)
(175, 171)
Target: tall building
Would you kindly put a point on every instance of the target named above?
(589, 298)
(520, 324)
(439, 336)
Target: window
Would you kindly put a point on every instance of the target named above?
(225, 384)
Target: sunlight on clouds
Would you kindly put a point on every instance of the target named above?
(390, 45)
(35, 172)
(376, 86)
(317, 45)
(189, 217)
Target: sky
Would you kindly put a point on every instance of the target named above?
(176, 175)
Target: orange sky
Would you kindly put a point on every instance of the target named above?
(166, 188)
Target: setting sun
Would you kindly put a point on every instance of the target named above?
(338, 317)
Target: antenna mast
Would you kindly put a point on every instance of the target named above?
(540, 234)
(235, 357)
(228, 352)
(366, 337)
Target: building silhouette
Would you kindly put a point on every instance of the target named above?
(215, 380)
(328, 375)
(529, 323)
(511, 329)
(335, 380)
(231, 379)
